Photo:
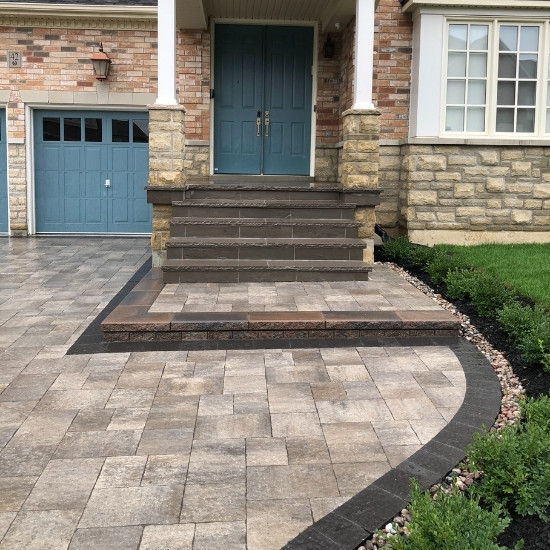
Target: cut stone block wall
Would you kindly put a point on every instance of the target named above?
(466, 193)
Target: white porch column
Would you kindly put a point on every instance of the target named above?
(166, 94)
(364, 54)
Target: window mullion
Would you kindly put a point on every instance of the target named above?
(492, 71)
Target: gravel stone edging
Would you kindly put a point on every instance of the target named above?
(491, 400)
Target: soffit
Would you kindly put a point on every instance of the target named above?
(196, 13)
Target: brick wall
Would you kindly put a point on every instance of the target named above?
(193, 66)
(392, 69)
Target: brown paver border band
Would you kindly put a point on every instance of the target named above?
(131, 321)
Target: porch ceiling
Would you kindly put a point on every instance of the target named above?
(194, 14)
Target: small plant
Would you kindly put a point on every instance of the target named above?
(441, 263)
(397, 250)
(545, 359)
(487, 294)
(536, 411)
(452, 521)
(517, 320)
(516, 466)
(420, 256)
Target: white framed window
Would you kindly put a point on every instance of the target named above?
(496, 79)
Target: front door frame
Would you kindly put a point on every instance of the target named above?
(262, 22)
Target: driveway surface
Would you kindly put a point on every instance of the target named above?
(239, 449)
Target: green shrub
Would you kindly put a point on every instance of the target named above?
(451, 522)
(441, 263)
(397, 250)
(529, 346)
(516, 463)
(529, 329)
(420, 256)
(487, 294)
(545, 356)
(536, 411)
(516, 320)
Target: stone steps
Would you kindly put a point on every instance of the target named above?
(250, 232)
(264, 249)
(295, 228)
(240, 271)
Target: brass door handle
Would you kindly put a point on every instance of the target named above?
(266, 118)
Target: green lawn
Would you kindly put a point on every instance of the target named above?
(525, 267)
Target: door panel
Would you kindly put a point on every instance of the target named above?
(258, 70)
(238, 78)
(288, 99)
(3, 174)
(75, 153)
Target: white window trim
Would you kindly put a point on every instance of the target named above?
(430, 55)
(492, 79)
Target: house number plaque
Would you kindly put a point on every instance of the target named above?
(14, 60)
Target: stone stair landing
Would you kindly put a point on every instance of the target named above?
(229, 232)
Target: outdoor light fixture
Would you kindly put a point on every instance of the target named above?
(328, 47)
(101, 63)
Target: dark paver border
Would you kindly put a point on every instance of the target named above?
(349, 525)
(91, 340)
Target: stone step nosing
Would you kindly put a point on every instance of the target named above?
(266, 222)
(295, 204)
(206, 242)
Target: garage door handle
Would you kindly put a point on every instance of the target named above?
(107, 183)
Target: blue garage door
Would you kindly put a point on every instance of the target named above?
(3, 175)
(91, 169)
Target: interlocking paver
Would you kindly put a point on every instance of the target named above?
(167, 450)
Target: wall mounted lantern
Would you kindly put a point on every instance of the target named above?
(328, 47)
(102, 64)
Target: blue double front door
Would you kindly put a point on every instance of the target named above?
(91, 169)
(3, 175)
(262, 99)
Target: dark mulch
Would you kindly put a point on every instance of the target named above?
(534, 532)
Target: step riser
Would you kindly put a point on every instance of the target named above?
(256, 194)
(263, 231)
(259, 276)
(282, 212)
(264, 253)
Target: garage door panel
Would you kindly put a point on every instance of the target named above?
(120, 211)
(93, 209)
(120, 159)
(140, 160)
(73, 163)
(49, 160)
(72, 158)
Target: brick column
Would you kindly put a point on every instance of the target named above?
(166, 169)
(360, 163)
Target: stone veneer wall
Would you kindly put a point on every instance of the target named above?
(466, 193)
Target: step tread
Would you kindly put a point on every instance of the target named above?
(255, 203)
(259, 187)
(214, 242)
(261, 265)
(265, 221)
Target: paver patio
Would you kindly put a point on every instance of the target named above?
(188, 449)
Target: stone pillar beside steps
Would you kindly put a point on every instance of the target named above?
(359, 170)
(166, 168)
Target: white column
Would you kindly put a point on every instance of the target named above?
(364, 54)
(166, 94)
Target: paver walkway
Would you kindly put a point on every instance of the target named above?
(186, 449)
